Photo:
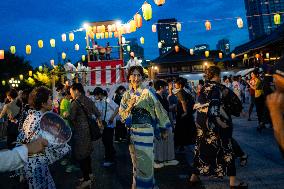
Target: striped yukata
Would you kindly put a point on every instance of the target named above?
(145, 120)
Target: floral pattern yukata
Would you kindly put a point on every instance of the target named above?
(213, 151)
(146, 118)
(36, 170)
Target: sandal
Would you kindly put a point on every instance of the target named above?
(242, 185)
(243, 160)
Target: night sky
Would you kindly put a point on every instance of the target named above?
(26, 21)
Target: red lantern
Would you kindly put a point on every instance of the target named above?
(257, 56)
(138, 20)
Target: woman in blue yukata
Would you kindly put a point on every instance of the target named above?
(144, 115)
(36, 170)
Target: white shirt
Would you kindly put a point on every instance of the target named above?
(111, 107)
(13, 159)
(133, 62)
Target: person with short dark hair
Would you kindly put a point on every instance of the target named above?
(214, 155)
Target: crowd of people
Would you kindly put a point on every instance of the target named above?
(157, 120)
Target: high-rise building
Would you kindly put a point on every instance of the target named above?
(224, 46)
(260, 16)
(167, 34)
(133, 46)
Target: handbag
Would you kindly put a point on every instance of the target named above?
(95, 131)
(104, 120)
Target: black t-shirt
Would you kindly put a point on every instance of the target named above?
(163, 100)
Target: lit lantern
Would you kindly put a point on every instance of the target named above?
(257, 56)
(63, 55)
(94, 29)
(128, 48)
(110, 34)
(220, 55)
(240, 23)
(177, 48)
(277, 19)
(127, 28)
(28, 49)
(245, 56)
(63, 37)
(233, 55)
(103, 28)
(115, 34)
(13, 49)
(191, 51)
(40, 68)
(52, 42)
(98, 35)
(83, 58)
(109, 28)
(154, 28)
(178, 26)
(102, 35)
(267, 55)
(30, 73)
(106, 34)
(138, 20)
(52, 62)
(160, 2)
(77, 47)
(71, 36)
(208, 25)
(132, 26)
(207, 54)
(3, 83)
(21, 77)
(147, 11)
(123, 40)
(40, 43)
(142, 40)
(99, 29)
(160, 45)
(2, 54)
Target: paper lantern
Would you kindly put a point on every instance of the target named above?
(98, 35)
(63, 37)
(127, 28)
(245, 56)
(207, 54)
(21, 77)
(267, 55)
(83, 58)
(123, 40)
(177, 48)
(115, 34)
(2, 54)
(138, 20)
(52, 43)
(77, 47)
(142, 40)
(110, 34)
(128, 48)
(147, 11)
(113, 27)
(71, 36)
(178, 26)
(52, 62)
(220, 55)
(240, 23)
(13, 49)
(94, 29)
(40, 43)
(160, 45)
(277, 19)
(63, 55)
(30, 73)
(28, 49)
(257, 56)
(132, 26)
(3, 83)
(233, 55)
(40, 68)
(208, 25)
(191, 51)
(102, 28)
(102, 35)
(160, 2)
(154, 28)
(109, 28)
(106, 34)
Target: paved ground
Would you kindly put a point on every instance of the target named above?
(265, 169)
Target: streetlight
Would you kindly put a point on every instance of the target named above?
(14, 82)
